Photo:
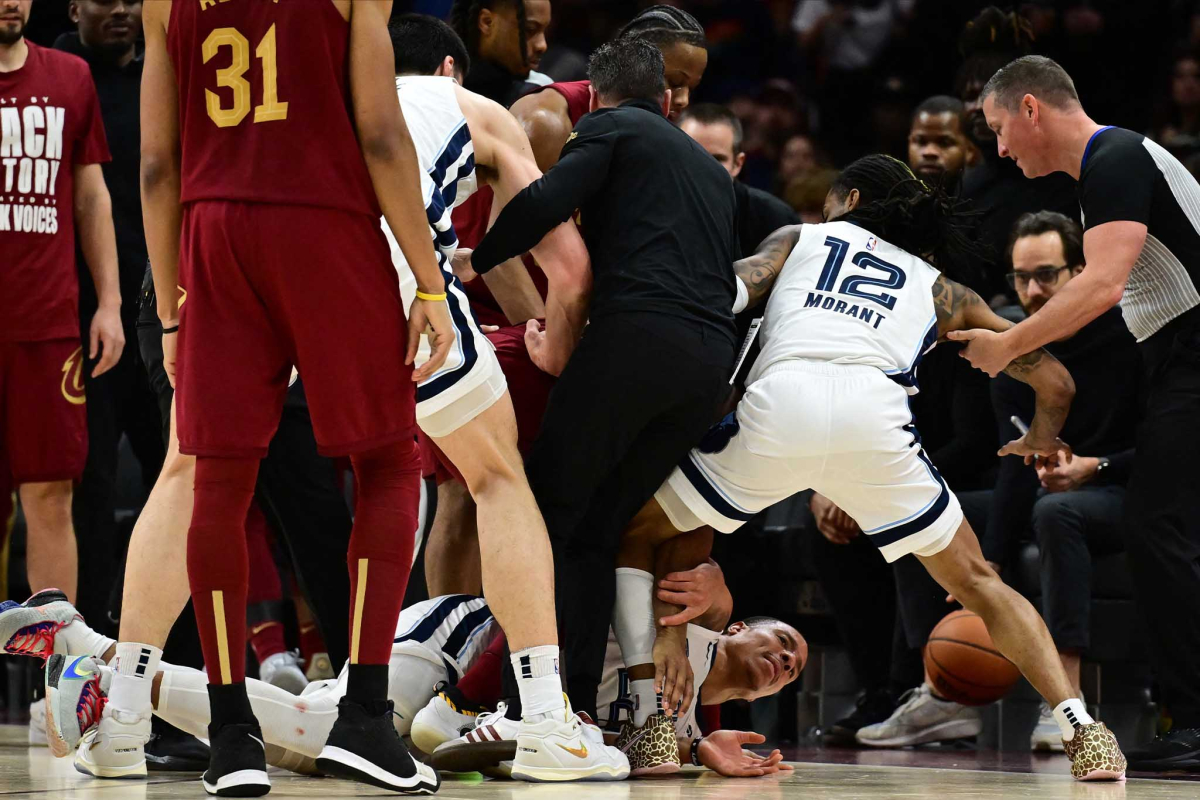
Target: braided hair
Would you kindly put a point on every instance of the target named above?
(924, 220)
(663, 26)
(464, 18)
(988, 42)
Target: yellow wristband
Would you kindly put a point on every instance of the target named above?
(435, 298)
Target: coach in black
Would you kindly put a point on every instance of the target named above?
(645, 381)
(1141, 213)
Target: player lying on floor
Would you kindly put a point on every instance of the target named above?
(436, 641)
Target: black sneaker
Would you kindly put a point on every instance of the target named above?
(173, 750)
(364, 746)
(238, 766)
(871, 708)
(1174, 750)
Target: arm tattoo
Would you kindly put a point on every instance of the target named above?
(1022, 366)
(951, 301)
(760, 270)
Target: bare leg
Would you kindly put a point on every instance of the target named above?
(50, 555)
(1015, 626)
(156, 584)
(518, 570)
(1071, 661)
(452, 564)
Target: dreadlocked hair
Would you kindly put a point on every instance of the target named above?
(900, 208)
(663, 26)
(464, 18)
(988, 42)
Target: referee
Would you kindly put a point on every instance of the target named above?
(646, 378)
(1141, 213)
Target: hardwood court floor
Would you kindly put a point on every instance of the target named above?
(34, 773)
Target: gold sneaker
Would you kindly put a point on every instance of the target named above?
(652, 749)
(1095, 754)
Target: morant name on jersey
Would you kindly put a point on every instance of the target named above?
(831, 303)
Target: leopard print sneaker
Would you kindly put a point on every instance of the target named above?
(652, 749)
(1095, 754)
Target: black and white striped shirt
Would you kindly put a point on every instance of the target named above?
(1125, 176)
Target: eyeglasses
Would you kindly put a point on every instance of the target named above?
(1045, 276)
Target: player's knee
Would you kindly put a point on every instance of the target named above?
(975, 584)
(1054, 516)
(47, 502)
(393, 466)
(177, 466)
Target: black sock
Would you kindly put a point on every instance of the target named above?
(367, 684)
(229, 705)
(513, 708)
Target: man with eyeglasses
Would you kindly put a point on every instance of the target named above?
(1074, 509)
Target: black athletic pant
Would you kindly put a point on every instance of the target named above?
(638, 393)
(299, 493)
(1162, 515)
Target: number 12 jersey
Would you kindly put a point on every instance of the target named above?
(264, 104)
(845, 296)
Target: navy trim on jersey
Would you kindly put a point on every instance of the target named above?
(450, 193)
(434, 213)
(908, 378)
(710, 493)
(465, 337)
(1087, 150)
(450, 153)
(424, 630)
(465, 631)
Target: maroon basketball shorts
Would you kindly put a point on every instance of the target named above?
(43, 412)
(266, 287)
(528, 386)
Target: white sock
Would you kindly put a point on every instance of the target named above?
(134, 669)
(538, 681)
(1071, 714)
(645, 700)
(82, 640)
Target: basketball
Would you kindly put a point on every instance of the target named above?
(963, 663)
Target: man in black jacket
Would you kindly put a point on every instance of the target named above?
(644, 383)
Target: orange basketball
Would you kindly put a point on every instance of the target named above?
(963, 663)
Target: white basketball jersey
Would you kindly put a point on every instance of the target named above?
(447, 157)
(613, 702)
(845, 296)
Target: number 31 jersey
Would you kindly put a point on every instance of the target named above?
(845, 296)
(264, 104)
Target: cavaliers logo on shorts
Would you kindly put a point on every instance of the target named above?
(72, 381)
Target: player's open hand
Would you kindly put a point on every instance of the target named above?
(695, 590)
(672, 670)
(107, 338)
(986, 350)
(723, 753)
(1040, 454)
(431, 317)
(460, 262)
(539, 349)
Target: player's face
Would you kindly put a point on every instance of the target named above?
(1039, 268)
(1015, 136)
(717, 139)
(764, 658)
(13, 16)
(537, 20)
(684, 66)
(500, 36)
(108, 24)
(936, 146)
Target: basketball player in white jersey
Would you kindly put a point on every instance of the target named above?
(853, 308)
(436, 641)
(461, 139)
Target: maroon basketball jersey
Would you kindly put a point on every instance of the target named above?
(577, 96)
(264, 104)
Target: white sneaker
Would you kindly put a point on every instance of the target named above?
(32, 628)
(570, 749)
(320, 668)
(37, 724)
(491, 743)
(922, 718)
(116, 748)
(1047, 736)
(445, 717)
(282, 670)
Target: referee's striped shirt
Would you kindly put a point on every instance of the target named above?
(1125, 176)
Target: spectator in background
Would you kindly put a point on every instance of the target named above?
(1076, 511)
(938, 147)
(798, 157)
(1178, 126)
(718, 131)
(806, 194)
(505, 40)
(120, 401)
(996, 186)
